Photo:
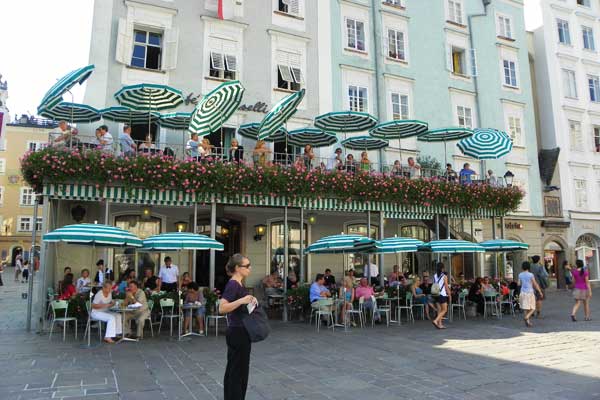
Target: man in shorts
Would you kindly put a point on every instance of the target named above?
(541, 277)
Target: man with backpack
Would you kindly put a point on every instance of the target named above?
(541, 277)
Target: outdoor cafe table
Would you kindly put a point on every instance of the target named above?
(191, 307)
(123, 311)
(389, 301)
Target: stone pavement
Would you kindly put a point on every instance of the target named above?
(473, 359)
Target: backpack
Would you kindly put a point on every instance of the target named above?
(436, 288)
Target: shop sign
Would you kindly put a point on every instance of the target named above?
(258, 107)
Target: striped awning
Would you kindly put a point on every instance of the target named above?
(181, 241)
(400, 129)
(396, 245)
(73, 112)
(54, 95)
(486, 144)
(175, 120)
(280, 114)
(503, 245)
(250, 131)
(452, 246)
(445, 135)
(128, 116)
(93, 235)
(345, 121)
(313, 136)
(365, 143)
(149, 97)
(216, 108)
(341, 244)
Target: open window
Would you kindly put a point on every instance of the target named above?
(223, 59)
(289, 71)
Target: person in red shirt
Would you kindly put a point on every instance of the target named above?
(68, 289)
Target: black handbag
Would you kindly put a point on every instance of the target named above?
(257, 325)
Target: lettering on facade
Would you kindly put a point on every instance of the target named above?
(258, 107)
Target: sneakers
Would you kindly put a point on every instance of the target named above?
(202, 332)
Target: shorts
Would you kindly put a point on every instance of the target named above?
(580, 294)
(442, 299)
(527, 301)
(199, 312)
(537, 295)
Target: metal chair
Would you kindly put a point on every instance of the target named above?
(408, 306)
(325, 309)
(385, 310)
(216, 317)
(462, 299)
(58, 306)
(491, 304)
(149, 319)
(167, 310)
(88, 327)
(420, 306)
(352, 312)
(510, 301)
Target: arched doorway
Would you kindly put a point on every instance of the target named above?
(14, 253)
(554, 256)
(586, 249)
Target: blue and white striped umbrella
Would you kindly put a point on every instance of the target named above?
(176, 120)
(280, 114)
(93, 235)
(313, 136)
(250, 131)
(216, 108)
(500, 245)
(365, 143)
(445, 134)
(337, 244)
(149, 97)
(64, 84)
(73, 112)
(345, 121)
(486, 144)
(451, 246)
(400, 129)
(181, 241)
(397, 245)
(127, 115)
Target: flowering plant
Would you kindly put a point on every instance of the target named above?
(211, 297)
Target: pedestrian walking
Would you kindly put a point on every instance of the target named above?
(582, 290)
(18, 267)
(527, 296)
(25, 272)
(441, 279)
(568, 274)
(234, 304)
(541, 277)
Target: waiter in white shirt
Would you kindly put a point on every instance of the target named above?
(371, 272)
(169, 276)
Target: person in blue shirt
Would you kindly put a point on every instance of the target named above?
(192, 146)
(318, 290)
(126, 142)
(466, 173)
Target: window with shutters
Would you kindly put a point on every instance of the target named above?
(596, 133)
(569, 83)
(510, 73)
(588, 38)
(396, 45)
(291, 7)
(505, 27)
(38, 224)
(455, 11)
(357, 98)
(355, 35)
(575, 138)
(223, 63)
(458, 61)
(26, 196)
(147, 49)
(465, 117)
(515, 130)
(580, 193)
(24, 223)
(289, 70)
(594, 86)
(564, 35)
(400, 110)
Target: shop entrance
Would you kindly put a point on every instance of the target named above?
(586, 249)
(554, 256)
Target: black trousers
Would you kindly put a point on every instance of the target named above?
(169, 287)
(235, 382)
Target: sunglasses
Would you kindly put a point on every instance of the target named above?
(246, 266)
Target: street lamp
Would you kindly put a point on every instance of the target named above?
(181, 226)
(508, 178)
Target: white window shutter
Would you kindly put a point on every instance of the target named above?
(216, 61)
(386, 43)
(294, 6)
(124, 46)
(170, 49)
(231, 62)
(285, 72)
(297, 75)
(473, 60)
(449, 61)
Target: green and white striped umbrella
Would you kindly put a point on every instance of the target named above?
(176, 120)
(336, 244)
(452, 246)
(127, 115)
(149, 97)
(280, 114)
(345, 121)
(64, 84)
(216, 108)
(93, 235)
(250, 131)
(181, 241)
(486, 144)
(313, 136)
(73, 112)
(364, 143)
(445, 135)
(399, 129)
(396, 245)
(500, 245)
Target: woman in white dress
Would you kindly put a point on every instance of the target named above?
(100, 311)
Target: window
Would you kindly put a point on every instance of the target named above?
(569, 83)
(465, 117)
(35, 145)
(289, 70)
(146, 49)
(564, 36)
(396, 45)
(356, 34)
(510, 73)
(596, 133)
(504, 27)
(38, 225)
(357, 97)
(277, 243)
(575, 135)
(455, 11)
(588, 38)
(399, 106)
(289, 6)
(398, 3)
(24, 224)
(458, 61)
(223, 60)
(27, 196)
(580, 193)
(585, 3)
(515, 130)
(357, 261)
(2, 166)
(594, 85)
(1, 195)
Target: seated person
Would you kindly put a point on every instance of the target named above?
(419, 297)
(126, 277)
(394, 276)
(273, 284)
(68, 289)
(347, 293)
(59, 288)
(350, 164)
(83, 283)
(476, 295)
(487, 286)
(366, 291)
(292, 279)
(194, 296)
(185, 280)
(329, 279)
(450, 174)
(466, 174)
(136, 296)
(151, 282)
(101, 304)
(318, 290)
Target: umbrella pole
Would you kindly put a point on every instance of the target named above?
(286, 261)
(71, 135)
(302, 274)
(445, 154)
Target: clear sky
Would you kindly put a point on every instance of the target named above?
(43, 40)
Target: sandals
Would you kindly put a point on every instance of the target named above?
(528, 323)
(436, 325)
(587, 319)
(109, 341)
(575, 319)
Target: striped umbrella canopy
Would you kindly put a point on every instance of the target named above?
(313, 136)
(397, 245)
(216, 108)
(181, 241)
(341, 244)
(400, 129)
(364, 143)
(64, 84)
(149, 97)
(250, 131)
(345, 121)
(176, 120)
(500, 245)
(73, 112)
(486, 144)
(280, 114)
(445, 134)
(127, 115)
(452, 246)
(93, 235)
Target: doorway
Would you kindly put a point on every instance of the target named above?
(228, 232)
(586, 249)
(554, 256)
(14, 253)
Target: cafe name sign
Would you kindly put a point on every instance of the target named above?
(258, 107)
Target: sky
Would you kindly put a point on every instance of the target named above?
(44, 40)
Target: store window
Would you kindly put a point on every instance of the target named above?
(357, 261)
(277, 254)
(129, 258)
(586, 249)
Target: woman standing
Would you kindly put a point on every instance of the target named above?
(568, 273)
(309, 156)
(527, 300)
(442, 280)
(233, 303)
(582, 290)
(347, 294)
(101, 304)
(365, 164)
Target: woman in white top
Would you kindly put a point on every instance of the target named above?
(83, 283)
(442, 280)
(100, 311)
(528, 283)
(18, 267)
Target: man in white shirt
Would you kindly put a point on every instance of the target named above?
(104, 139)
(371, 272)
(414, 168)
(126, 142)
(169, 276)
(337, 162)
(60, 136)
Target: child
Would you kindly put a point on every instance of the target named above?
(25, 271)
(194, 296)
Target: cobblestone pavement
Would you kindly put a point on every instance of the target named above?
(473, 359)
